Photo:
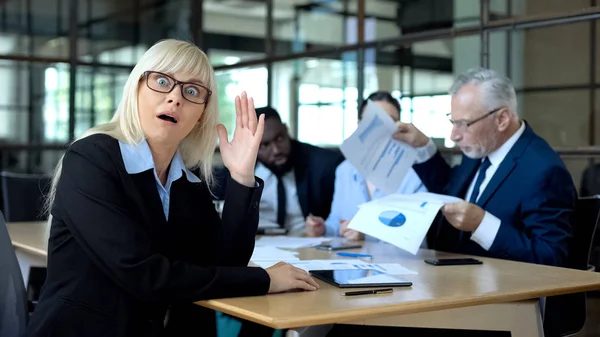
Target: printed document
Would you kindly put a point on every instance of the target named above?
(282, 241)
(379, 158)
(400, 219)
(389, 268)
(261, 253)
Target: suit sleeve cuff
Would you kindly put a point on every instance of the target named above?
(425, 153)
(486, 233)
(258, 183)
(243, 196)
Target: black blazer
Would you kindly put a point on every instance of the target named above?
(115, 264)
(314, 168)
(590, 181)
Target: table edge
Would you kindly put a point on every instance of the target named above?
(29, 249)
(395, 309)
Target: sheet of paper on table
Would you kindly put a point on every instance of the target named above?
(372, 151)
(389, 268)
(400, 219)
(262, 223)
(291, 242)
(272, 253)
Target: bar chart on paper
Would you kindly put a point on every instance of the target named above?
(392, 150)
(375, 154)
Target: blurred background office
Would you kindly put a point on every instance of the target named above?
(63, 62)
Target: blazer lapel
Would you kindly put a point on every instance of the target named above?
(459, 189)
(148, 197)
(506, 166)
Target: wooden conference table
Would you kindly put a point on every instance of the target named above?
(498, 295)
(30, 240)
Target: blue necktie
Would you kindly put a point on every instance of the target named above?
(485, 164)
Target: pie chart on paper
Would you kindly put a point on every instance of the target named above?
(392, 218)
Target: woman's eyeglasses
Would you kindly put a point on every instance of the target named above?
(191, 91)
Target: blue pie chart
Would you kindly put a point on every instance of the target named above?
(392, 218)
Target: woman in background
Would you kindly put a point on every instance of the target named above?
(352, 189)
(134, 233)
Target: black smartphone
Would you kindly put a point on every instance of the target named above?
(338, 246)
(271, 231)
(452, 262)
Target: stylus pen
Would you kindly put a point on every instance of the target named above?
(370, 292)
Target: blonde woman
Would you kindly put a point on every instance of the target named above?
(134, 231)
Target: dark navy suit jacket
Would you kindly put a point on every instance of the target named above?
(314, 169)
(532, 193)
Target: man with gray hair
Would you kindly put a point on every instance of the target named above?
(519, 197)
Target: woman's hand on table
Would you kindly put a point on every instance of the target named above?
(286, 277)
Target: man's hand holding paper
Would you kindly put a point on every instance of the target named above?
(375, 153)
(410, 135)
(383, 151)
(463, 215)
(348, 233)
(400, 219)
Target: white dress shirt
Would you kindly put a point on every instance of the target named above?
(486, 232)
(294, 220)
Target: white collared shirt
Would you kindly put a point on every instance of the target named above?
(496, 159)
(138, 158)
(294, 221)
(486, 232)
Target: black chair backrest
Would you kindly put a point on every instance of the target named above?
(587, 216)
(565, 314)
(13, 298)
(23, 196)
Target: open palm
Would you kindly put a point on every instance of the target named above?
(239, 155)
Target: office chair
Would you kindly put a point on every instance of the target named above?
(565, 315)
(22, 200)
(14, 307)
(23, 196)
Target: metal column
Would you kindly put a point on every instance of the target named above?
(509, 35)
(270, 51)
(73, 30)
(360, 59)
(485, 34)
(592, 72)
(196, 23)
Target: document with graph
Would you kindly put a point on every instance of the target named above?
(371, 149)
(400, 219)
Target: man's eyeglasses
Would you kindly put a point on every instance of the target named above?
(463, 124)
(193, 92)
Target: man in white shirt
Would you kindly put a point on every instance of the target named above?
(519, 197)
(298, 178)
(304, 173)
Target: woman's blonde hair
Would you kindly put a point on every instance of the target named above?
(167, 56)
